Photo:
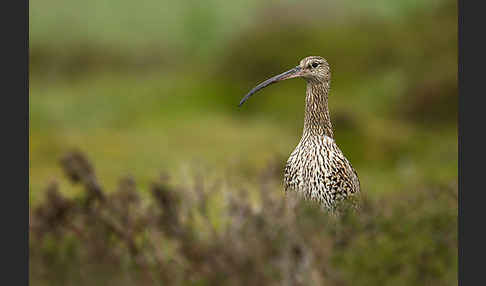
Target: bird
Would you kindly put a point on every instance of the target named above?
(317, 168)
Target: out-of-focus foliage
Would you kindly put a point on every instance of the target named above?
(152, 87)
(181, 236)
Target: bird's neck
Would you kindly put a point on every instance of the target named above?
(317, 121)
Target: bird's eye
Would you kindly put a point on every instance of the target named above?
(315, 64)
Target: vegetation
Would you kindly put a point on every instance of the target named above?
(152, 89)
(212, 235)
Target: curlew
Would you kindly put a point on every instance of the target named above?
(316, 169)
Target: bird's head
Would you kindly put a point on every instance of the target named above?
(313, 69)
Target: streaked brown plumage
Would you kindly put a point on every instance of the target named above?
(317, 168)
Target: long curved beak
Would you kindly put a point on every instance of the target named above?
(295, 72)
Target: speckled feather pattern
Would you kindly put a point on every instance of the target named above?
(317, 168)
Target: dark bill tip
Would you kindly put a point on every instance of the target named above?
(295, 72)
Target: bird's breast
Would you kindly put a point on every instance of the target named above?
(318, 170)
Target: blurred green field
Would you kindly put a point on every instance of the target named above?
(169, 126)
(393, 100)
(152, 88)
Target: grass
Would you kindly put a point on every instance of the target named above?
(204, 233)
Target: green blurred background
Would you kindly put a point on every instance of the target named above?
(150, 87)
